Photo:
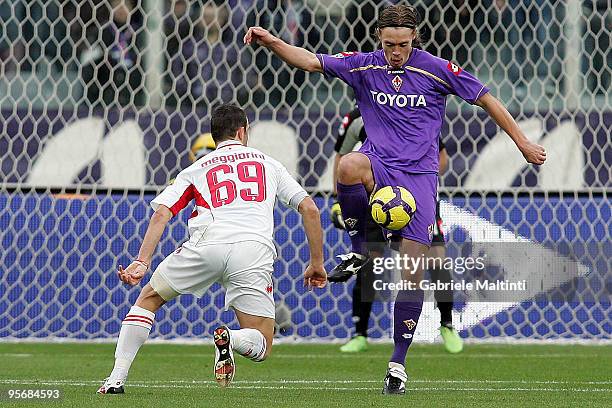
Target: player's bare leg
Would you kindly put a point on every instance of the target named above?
(355, 182)
(135, 330)
(407, 310)
(253, 341)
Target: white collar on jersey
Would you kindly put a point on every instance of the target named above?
(226, 143)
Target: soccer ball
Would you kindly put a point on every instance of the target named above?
(393, 207)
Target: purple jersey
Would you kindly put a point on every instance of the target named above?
(403, 109)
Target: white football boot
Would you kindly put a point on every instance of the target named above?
(395, 381)
(112, 386)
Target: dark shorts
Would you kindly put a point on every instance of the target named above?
(423, 187)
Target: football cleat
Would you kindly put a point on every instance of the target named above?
(395, 380)
(224, 357)
(350, 264)
(111, 386)
(452, 341)
(355, 345)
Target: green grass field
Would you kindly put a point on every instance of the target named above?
(317, 376)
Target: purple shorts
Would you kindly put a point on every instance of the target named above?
(423, 187)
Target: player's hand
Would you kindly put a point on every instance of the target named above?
(336, 216)
(259, 35)
(315, 276)
(533, 153)
(133, 274)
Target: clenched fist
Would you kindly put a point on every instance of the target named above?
(533, 153)
(315, 276)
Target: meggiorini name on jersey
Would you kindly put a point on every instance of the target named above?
(230, 158)
(398, 100)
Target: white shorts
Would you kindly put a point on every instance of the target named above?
(243, 268)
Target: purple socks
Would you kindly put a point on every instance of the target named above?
(353, 201)
(407, 310)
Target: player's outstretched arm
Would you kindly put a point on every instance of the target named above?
(315, 275)
(295, 56)
(137, 269)
(533, 153)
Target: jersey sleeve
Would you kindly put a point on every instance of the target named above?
(289, 192)
(462, 83)
(339, 65)
(176, 196)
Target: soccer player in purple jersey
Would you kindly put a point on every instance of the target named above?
(350, 133)
(401, 91)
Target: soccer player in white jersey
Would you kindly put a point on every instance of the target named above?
(234, 188)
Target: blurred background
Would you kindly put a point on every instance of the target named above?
(178, 53)
(548, 61)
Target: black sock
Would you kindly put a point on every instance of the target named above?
(446, 313)
(361, 308)
(444, 298)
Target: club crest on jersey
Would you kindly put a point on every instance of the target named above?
(344, 54)
(454, 68)
(397, 83)
(410, 324)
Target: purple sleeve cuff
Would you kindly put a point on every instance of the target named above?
(322, 61)
(483, 90)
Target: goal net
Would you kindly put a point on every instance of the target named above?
(100, 103)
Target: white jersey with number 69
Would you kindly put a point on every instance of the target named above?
(234, 188)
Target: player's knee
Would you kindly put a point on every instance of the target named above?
(149, 299)
(352, 168)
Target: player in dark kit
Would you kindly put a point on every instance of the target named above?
(401, 92)
(351, 132)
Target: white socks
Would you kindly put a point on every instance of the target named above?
(134, 332)
(249, 343)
